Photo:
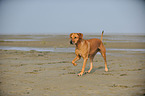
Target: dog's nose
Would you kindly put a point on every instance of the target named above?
(71, 42)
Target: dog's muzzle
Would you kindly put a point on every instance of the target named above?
(71, 42)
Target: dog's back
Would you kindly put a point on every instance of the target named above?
(94, 45)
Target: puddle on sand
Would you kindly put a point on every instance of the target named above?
(61, 49)
(37, 49)
(21, 40)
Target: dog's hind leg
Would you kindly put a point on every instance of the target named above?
(104, 56)
(91, 64)
(103, 53)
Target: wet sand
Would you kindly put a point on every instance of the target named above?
(40, 73)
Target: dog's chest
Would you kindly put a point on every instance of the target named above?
(83, 49)
(78, 52)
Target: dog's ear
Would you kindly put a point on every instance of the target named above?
(80, 35)
(70, 35)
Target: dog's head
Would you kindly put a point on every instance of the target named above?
(75, 37)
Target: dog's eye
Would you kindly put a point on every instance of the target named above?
(75, 37)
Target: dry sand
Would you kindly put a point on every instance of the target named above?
(33, 73)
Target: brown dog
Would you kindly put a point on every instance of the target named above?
(87, 49)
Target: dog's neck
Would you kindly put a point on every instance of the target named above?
(79, 43)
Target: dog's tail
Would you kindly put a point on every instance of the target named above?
(102, 35)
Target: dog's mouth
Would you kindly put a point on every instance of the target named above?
(71, 42)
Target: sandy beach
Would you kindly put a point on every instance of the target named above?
(50, 73)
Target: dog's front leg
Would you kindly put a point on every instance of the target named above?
(76, 59)
(83, 68)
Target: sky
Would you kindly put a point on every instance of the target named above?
(42, 17)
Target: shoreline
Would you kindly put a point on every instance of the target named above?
(69, 49)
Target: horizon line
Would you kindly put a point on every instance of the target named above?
(76, 32)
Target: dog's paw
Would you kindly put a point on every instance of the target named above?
(75, 64)
(80, 74)
(86, 72)
(106, 69)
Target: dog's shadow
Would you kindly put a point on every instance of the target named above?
(95, 68)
